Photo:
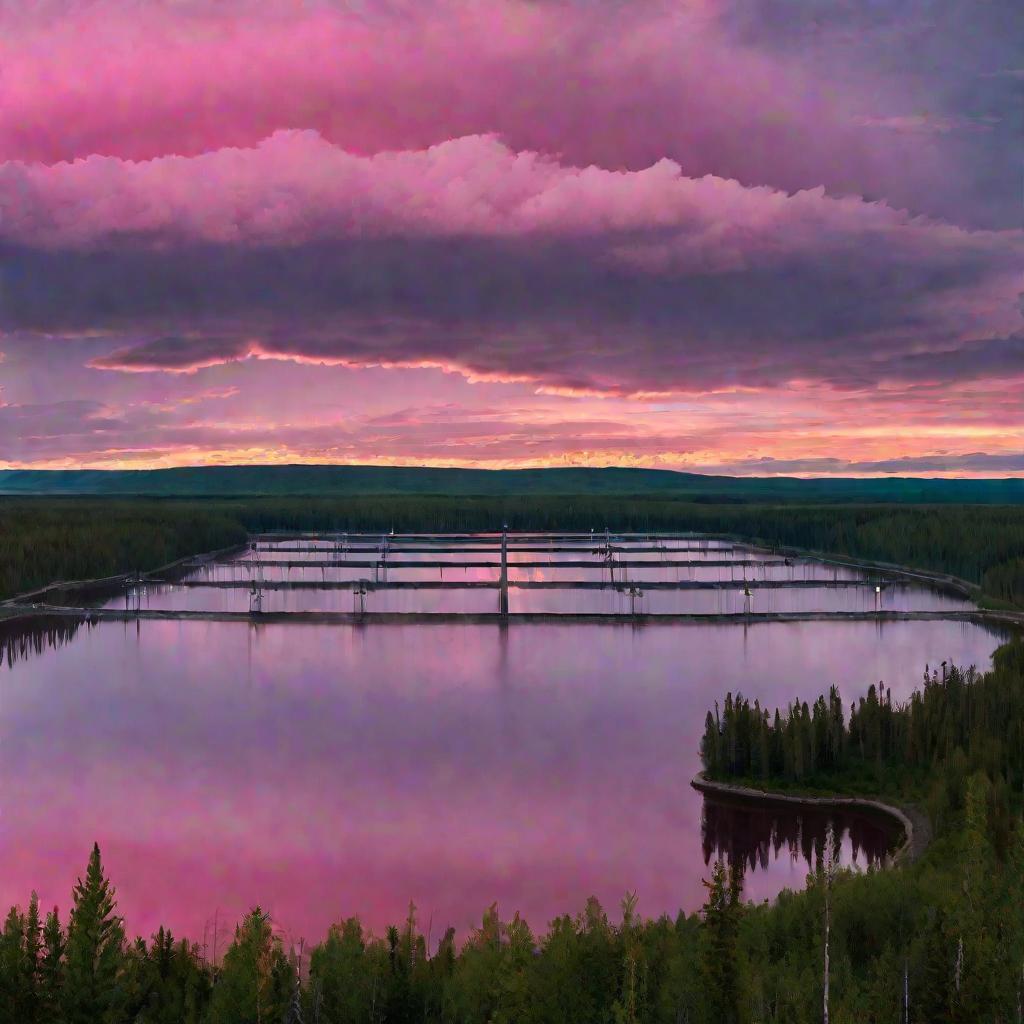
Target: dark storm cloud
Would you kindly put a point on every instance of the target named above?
(552, 312)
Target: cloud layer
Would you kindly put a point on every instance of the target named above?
(503, 265)
(548, 202)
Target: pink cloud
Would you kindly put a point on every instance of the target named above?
(616, 85)
(909, 288)
(295, 187)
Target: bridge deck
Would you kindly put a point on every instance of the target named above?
(354, 618)
(476, 549)
(592, 563)
(245, 584)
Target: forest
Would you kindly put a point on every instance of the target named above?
(956, 723)
(45, 541)
(940, 940)
(42, 540)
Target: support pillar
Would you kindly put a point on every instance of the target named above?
(503, 581)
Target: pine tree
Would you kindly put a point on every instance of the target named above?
(31, 1004)
(94, 950)
(720, 937)
(709, 747)
(256, 981)
(11, 967)
(51, 970)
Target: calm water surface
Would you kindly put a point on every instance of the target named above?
(562, 601)
(331, 770)
(243, 570)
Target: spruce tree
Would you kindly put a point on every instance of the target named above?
(720, 937)
(11, 967)
(256, 981)
(94, 950)
(31, 1008)
(51, 970)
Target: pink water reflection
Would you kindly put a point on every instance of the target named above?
(327, 770)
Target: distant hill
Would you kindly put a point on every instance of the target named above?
(228, 481)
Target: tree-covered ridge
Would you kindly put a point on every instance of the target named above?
(42, 540)
(355, 480)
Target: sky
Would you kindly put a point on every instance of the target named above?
(742, 236)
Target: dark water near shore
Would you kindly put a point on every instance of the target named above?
(331, 770)
(776, 846)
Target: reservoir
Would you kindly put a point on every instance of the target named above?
(323, 770)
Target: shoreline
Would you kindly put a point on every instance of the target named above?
(916, 827)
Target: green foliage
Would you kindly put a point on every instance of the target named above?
(45, 541)
(719, 965)
(257, 980)
(51, 969)
(1005, 581)
(957, 723)
(20, 951)
(952, 925)
(94, 956)
(166, 981)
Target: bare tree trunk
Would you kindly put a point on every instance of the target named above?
(318, 998)
(828, 869)
(906, 992)
(825, 1014)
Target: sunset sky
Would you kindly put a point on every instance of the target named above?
(742, 236)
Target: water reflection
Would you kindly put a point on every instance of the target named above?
(22, 637)
(617, 600)
(756, 836)
(330, 770)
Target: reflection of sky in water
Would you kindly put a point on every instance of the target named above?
(329, 770)
(607, 601)
(493, 556)
(217, 571)
(695, 573)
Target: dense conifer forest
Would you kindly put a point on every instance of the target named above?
(45, 541)
(956, 724)
(42, 540)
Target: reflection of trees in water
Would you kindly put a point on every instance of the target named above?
(22, 637)
(751, 836)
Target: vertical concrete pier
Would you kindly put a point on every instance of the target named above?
(503, 580)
